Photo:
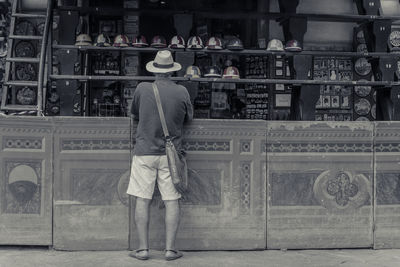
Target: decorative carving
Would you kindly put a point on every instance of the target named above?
(35, 129)
(92, 132)
(387, 147)
(387, 188)
(22, 191)
(206, 145)
(96, 186)
(245, 182)
(246, 146)
(93, 144)
(22, 143)
(342, 191)
(224, 130)
(319, 147)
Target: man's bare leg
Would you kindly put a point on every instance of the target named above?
(142, 213)
(172, 217)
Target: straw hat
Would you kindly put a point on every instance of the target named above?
(163, 63)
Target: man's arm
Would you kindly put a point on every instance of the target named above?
(134, 109)
(189, 109)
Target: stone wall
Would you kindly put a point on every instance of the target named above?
(253, 185)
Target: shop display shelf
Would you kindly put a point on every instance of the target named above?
(23, 59)
(109, 78)
(260, 52)
(111, 11)
(109, 48)
(101, 11)
(26, 37)
(29, 16)
(221, 80)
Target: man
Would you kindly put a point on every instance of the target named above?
(149, 163)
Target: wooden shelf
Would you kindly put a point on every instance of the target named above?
(221, 80)
(259, 52)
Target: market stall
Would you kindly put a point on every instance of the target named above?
(288, 149)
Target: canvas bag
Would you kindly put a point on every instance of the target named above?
(176, 161)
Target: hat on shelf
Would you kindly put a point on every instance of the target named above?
(83, 40)
(214, 43)
(102, 40)
(193, 72)
(275, 45)
(234, 44)
(293, 46)
(121, 41)
(140, 41)
(212, 72)
(231, 72)
(195, 42)
(177, 42)
(163, 63)
(158, 41)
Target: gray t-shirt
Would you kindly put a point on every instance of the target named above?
(177, 108)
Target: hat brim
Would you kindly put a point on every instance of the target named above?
(150, 68)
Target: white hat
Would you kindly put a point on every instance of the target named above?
(163, 63)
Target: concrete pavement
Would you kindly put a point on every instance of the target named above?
(39, 257)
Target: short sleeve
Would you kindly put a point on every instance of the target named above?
(134, 110)
(188, 106)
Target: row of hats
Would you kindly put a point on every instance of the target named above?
(277, 45)
(177, 42)
(230, 72)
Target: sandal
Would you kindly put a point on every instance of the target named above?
(140, 256)
(175, 254)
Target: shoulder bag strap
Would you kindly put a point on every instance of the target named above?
(160, 111)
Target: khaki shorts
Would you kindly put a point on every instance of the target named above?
(145, 171)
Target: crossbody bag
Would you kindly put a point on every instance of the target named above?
(176, 160)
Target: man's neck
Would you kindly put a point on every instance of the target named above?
(163, 76)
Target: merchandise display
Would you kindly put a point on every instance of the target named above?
(394, 38)
(193, 72)
(293, 46)
(25, 27)
(26, 96)
(25, 72)
(334, 103)
(275, 45)
(121, 40)
(3, 43)
(214, 43)
(102, 40)
(25, 49)
(106, 64)
(158, 41)
(364, 99)
(235, 44)
(83, 40)
(212, 47)
(257, 95)
(177, 42)
(231, 73)
(140, 41)
(212, 72)
(195, 42)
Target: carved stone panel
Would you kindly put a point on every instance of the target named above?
(224, 204)
(25, 181)
(387, 181)
(320, 180)
(91, 173)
